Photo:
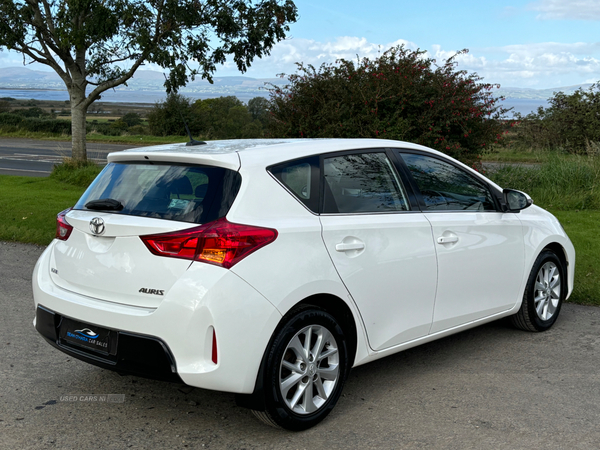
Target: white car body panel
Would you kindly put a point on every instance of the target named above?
(396, 308)
(540, 229)
(116, 265)
(473, 271)
(205, 296)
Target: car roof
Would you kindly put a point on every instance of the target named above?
(264, 152)
(227, 153)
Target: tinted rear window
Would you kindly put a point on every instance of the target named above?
(184, 193)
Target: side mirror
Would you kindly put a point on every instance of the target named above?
(515, 201)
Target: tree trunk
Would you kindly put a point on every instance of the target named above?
(78, 124)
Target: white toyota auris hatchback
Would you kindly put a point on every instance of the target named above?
(270, 268)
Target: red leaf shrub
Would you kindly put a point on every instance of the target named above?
(400, 95)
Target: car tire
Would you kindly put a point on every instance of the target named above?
(544, 294)
(305, 371)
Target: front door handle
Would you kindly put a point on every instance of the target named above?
(447, 239)
(347, 247)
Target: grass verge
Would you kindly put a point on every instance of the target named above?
(566, 182)
(28, 207)
(511, 155)
(76, 173)
(582, 226)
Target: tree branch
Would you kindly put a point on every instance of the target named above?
(44, 27)
(115, 82)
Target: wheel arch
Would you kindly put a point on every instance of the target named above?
(561, 254)
(327, 302)
(342, 313)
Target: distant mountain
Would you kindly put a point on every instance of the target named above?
(147, 87)
(21, 77)
(143, 80)
(150, 80)
(537, 94)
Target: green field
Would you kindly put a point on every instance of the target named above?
(582, 228)
(28, 207)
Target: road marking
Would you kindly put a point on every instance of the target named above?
(50, 158)
(50, 161)
(24, 170)
(38, 156)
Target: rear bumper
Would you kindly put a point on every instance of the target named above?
(143, 356)
(205, 299)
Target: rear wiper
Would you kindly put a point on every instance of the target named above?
(105, 204)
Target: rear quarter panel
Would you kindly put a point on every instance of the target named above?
(296, 265)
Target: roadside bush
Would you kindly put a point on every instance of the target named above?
(35, 112)
(46, 125)
(132, 119)
(399, 95)
(9, 128)
(119, 125)
(4, 106)
(137, 129)
(104, 128)
(165, 117)
(76, 172)
(10, 119)
(224, 118)
(570, 123)
(34, 124)
(258, 107)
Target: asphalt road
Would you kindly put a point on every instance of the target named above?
(492, 387)
(35, 158)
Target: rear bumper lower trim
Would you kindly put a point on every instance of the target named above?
(143, 356)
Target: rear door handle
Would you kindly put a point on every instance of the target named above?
(447, 239)
(343, 247)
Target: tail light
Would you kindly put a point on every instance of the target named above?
(63, 229)
(220, 242)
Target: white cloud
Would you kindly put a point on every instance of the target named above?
(10, 59)
(539, 65)
(567, 9)
(286, 53)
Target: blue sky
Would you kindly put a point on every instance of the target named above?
(516, 43)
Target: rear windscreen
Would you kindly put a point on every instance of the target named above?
(185, 193)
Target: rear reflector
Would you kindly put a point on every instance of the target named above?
(220, 242)
(214, 348)
(63, 229)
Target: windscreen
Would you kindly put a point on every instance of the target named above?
(185, 193)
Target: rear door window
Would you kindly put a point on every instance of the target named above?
(362, 183)
(185, 193)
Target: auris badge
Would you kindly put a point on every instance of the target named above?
(97, 226)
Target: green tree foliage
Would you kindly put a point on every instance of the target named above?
(224, 118)
(99, 44)
(399, 95)
(132, 119)
(10, 122)
(258, 107)
(165, 119)
(571, 122)
(32, 112)
(4, 106)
